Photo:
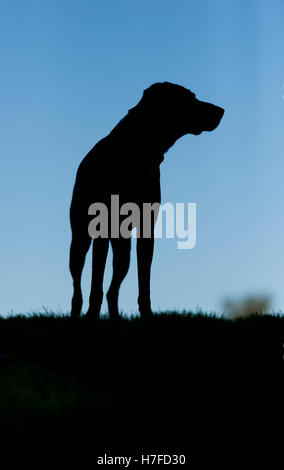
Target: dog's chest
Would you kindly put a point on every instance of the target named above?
(153, 170)
(147, 186)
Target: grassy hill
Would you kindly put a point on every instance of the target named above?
(193, 384)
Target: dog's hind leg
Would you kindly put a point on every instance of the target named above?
(121, 258)
(100, 250)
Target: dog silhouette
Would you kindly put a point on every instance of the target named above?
(126, 163)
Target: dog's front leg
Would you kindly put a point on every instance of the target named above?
(145, 249)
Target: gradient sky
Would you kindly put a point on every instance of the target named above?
(71, 69)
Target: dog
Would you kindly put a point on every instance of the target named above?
(126, 163)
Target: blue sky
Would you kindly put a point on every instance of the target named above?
(71, 69)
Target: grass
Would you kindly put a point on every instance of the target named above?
(178, 381)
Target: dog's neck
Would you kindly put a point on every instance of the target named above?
(144, 136)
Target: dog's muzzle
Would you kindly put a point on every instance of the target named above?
(213, 115)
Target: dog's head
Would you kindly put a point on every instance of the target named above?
(176, 109)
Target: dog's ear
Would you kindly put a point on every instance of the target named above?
(153, 90)
(151, 99)
(154, 99)
(155, 93)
